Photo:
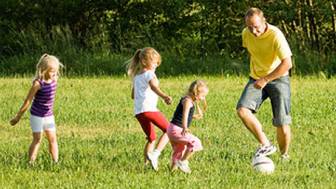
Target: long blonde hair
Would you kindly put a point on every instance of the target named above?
(142, 59)
(194, 89)
(44, 63)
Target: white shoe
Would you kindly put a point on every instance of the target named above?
(153, 157)
(183, 165)
(265, 150)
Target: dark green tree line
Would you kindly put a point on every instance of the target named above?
(185, 28)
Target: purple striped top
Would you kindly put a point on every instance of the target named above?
(43, 102)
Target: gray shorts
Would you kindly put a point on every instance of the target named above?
(279, 93)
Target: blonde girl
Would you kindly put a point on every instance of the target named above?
(42, 95)
(145, 92)
(183, 142)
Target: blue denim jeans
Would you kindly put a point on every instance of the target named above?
(279, 93)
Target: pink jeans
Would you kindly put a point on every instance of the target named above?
(180, 143)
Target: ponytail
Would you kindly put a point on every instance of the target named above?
(204, 106)
(134, 64)
(41, 67)
(142, 58)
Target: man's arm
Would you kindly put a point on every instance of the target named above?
(282, 69)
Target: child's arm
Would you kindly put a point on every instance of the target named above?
(154, 85)
(187, 104)
(200, 112)
(35, 87)
(132, 93)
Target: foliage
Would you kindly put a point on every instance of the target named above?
(198, 30)
(101, 143)
(86, 63)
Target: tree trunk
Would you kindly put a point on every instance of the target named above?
(333, 19)
(313, 27)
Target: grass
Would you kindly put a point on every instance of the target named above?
(101, 143)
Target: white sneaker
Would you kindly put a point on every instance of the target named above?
(265, 150)
(183, 165)
(153, 157)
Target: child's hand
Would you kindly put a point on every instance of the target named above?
(198, 116)
(15, 120)
(168, 100)
(185, 131)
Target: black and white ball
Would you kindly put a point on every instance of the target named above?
(263, 164)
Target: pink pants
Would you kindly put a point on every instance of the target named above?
(147, 119)
(180, 143)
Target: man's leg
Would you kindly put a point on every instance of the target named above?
(284, 138)
(252, 123)
(279, 91)
(250, 101)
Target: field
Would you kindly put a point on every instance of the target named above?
(101, 144)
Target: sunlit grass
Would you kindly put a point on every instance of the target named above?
(101, 143)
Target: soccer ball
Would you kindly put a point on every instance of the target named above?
(263, 164)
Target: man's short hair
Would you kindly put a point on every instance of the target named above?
(252, 11)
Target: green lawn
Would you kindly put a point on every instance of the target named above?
(101, 143)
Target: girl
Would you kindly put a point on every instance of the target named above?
(183, 142)
(42, 96)
(145, 92)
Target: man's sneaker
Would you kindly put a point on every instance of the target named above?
(153, 157)
(183, 165)
(265, 150)
(285, 157)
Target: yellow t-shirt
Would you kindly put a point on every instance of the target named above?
(266, 51)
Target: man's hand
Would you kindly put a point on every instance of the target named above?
(260, 83)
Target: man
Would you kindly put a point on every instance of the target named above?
(270, 62)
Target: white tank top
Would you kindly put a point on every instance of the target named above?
(145, 99)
